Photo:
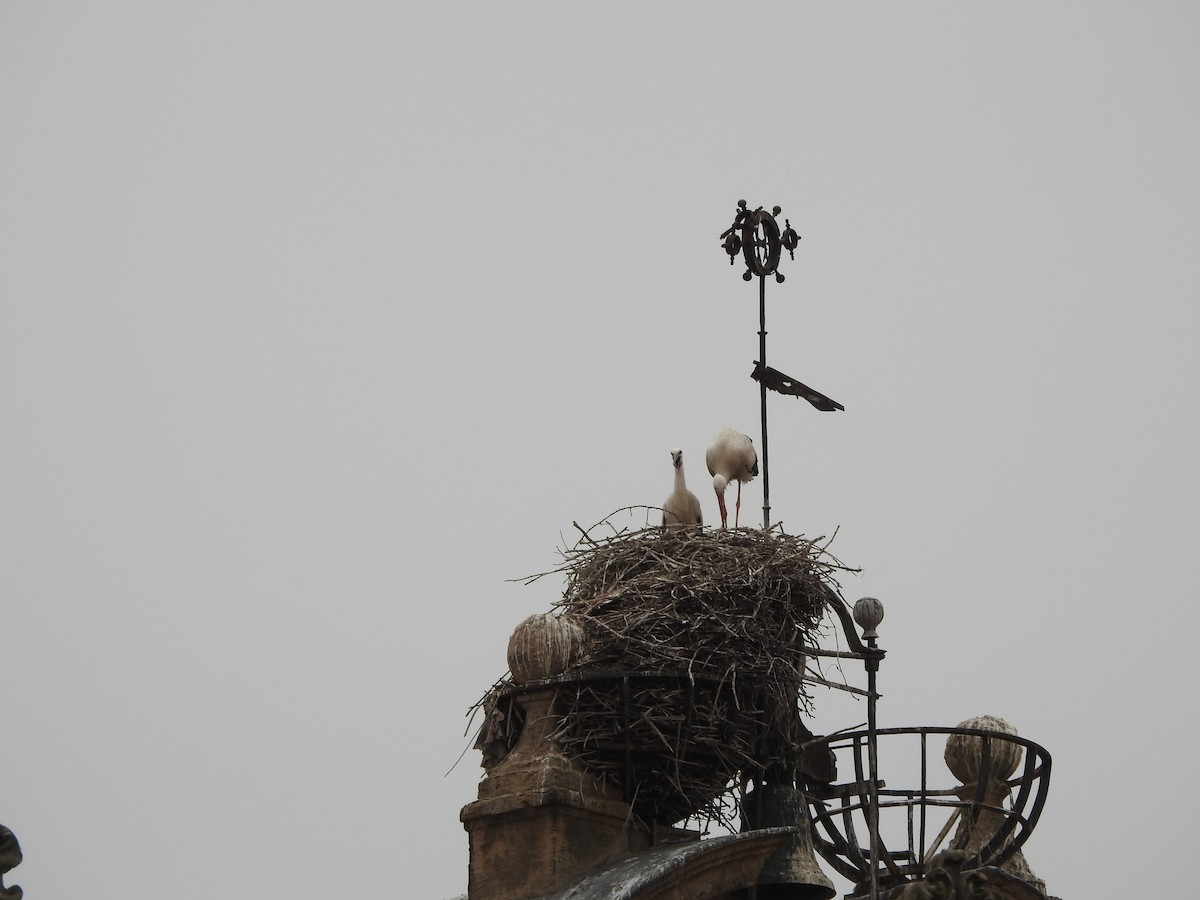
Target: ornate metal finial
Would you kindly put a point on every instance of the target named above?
(757, 236)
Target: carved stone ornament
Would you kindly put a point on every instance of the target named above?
(947, 881)
(10, 857)
(964, 757)
(542, 646)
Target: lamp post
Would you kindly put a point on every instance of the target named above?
(868, 613)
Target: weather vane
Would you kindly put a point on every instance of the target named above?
(756, 235)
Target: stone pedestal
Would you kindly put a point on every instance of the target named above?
(541, 821)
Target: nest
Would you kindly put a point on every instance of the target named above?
(692, 662)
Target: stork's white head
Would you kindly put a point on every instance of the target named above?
(677, 458)
(720, 482)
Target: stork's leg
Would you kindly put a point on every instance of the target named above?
(737, 510)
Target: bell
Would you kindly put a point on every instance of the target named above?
(792, 872)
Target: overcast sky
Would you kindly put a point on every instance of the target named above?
(320, 321)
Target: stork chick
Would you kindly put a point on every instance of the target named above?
(731, 457)
(682, 508)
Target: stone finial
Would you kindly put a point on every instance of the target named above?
(964, 757)
(542, 646)
(964, 752)
(868, 613)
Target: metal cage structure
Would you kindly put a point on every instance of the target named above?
(841, 812)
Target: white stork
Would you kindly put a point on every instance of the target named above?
(730, 457)
(682, 508)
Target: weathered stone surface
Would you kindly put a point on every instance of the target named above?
(719, 868)
(542, 646)
(964, 752)
(947, 880)
(541, 843)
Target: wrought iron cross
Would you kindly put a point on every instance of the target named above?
(756, 235)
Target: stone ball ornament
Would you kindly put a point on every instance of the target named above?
(964, 752)
(543, 646)
(868, 613)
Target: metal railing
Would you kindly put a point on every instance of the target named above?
(908, 816)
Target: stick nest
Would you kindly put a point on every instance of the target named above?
(692, 664)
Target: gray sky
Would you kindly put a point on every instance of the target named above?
(320, 321)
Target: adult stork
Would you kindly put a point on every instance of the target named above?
(730, 457)
(682, 508)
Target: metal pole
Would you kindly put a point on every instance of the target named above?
(762, 391)
(872, 665)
